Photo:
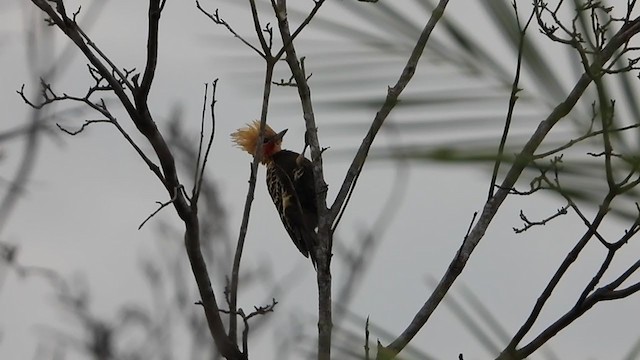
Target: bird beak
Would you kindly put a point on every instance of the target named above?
(278, 137)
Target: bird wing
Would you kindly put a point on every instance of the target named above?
(303, 182)
(283, 193)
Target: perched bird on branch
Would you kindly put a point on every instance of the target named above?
(290, 183)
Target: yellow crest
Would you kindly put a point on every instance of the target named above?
(246, 137)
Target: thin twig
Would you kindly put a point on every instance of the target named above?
(560, 272)
(366, 340)
(81, 128)
(513, 98)
(200, 169)
(266, 47)
(50, 97)
(588, 135)
(124, 77)
(316, 6)
(162, 206)
(215, 17)
(214, 87)
(528, 224)
(200, 142)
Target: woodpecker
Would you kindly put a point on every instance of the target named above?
(290, 183)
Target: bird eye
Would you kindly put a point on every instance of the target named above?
(266, 140)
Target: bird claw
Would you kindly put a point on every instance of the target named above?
(323, 189)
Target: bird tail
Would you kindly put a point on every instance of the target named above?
(310, 239)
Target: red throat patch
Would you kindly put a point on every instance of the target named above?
(269, 149)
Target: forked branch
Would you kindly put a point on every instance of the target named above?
(491, 207)
(137, 108)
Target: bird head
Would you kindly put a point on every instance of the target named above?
(246, 138)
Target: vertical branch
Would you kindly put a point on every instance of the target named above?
(211, 309)
(200, 142)
(323, 252)
(304, 92)
(266, 94)
(266, 48)
(201, 166)
(606, 119)
(152, 50)
(512, 98)
(235, 271)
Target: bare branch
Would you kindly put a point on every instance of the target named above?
(305, 22)
(521, 162)
(546, 294)
(142, 93)
(366, 340)
(323, 250)
(215, 17)
(588, 135)
(50, 97)
(200, 142)
(266, 47)
(605, 293)
(162, 206)
(291, 82)
(391, 100)
(139, 112)
(200, 169)
(235, 271)
(84, 125)
(513, 98)
(528, 224)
